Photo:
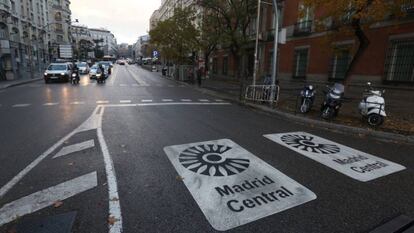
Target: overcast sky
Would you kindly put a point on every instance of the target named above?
(127, 19)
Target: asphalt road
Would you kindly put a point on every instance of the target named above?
(101, 151)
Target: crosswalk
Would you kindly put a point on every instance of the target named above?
(103, 102)
(135, 85)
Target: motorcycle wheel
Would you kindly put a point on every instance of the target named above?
(375, 120)
(327, 113)
(305, 107)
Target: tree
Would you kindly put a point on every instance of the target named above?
(354, 17)
(177, 36)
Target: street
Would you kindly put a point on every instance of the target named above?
(124, 157)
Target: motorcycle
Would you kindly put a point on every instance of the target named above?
(307, 98)
(75, 78)
(100, 77)
(372, 106)
(333, 101)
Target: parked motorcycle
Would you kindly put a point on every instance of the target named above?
(75, 78)
(333, 101)
(372, 106)
(307, 98)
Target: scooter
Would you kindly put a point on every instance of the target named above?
(307, 98)
(372, 106)
(75, 78)
(333, 101)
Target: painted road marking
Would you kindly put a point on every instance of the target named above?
(232, 186)
(219, 100)
(125, 101)
(21, 105)
(146, 101)
(203, 100)
(47, 197)
(123, 85)
(50, 104)
(75, 148)
(77, 103)
(167, 100)
(186, 100)
(353, 163)
(102, 102)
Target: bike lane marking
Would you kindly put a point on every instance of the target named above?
(348, 161)
(232, 186)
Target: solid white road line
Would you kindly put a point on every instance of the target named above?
(21, 105)
(50, 104)
(125, 101)
(47, 197)
(146, 101)
(75, 148)
(114, 205)
(167, 100)
(77, 103)
(102, 102)
(186, 100)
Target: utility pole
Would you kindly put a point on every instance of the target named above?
(275, 47)
(256, 51)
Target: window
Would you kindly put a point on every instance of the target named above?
(300, 62)
(305, 20)
(225, 66)
(3, 31)
(400, 61)
(340, 63)
(215, 65)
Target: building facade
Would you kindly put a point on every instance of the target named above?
(389, 57)
(30, 33)
(107, 40)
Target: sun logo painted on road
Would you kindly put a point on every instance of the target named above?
(210, 160)
(306, 143)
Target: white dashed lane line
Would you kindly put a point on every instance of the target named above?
(203, 100)
(50, 104)
(186, 100)
(77, 103)
(102, 102)
(125, 101)
(21, 105)
(146, 101)
(219, 100)
(167, 100)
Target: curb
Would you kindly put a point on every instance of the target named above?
(321, 124)
(20, 83)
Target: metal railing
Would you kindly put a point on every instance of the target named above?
(262, 93)
(303, 28)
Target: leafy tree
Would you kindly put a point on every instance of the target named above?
(177, 36)
(354, 17)
(232, 20)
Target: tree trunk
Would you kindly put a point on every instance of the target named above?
(363, 45)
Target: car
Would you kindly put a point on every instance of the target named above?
(58, 71)
(108, 65)
(121, 62)
(83, 67)
(94, 71)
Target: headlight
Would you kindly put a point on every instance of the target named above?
(45, 74)
(62, 74)
(73, 75)
(98, 75)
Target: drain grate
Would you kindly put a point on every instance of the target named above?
(61, 223)
(400, 224)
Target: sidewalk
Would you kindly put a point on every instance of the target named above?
(12, 83)
(399, 104)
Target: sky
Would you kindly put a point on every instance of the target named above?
(126, 19)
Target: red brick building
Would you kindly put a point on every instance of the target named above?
(308, 54)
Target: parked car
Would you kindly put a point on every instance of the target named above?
(83, 67)
(58, 71)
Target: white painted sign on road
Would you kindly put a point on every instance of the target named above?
(232, 186)
(353, 163)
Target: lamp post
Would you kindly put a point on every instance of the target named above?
(275, 47)
(256, 51)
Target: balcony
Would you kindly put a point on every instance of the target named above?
(303, 28)
(5, 5)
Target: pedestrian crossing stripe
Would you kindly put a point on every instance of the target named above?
(348, 161)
